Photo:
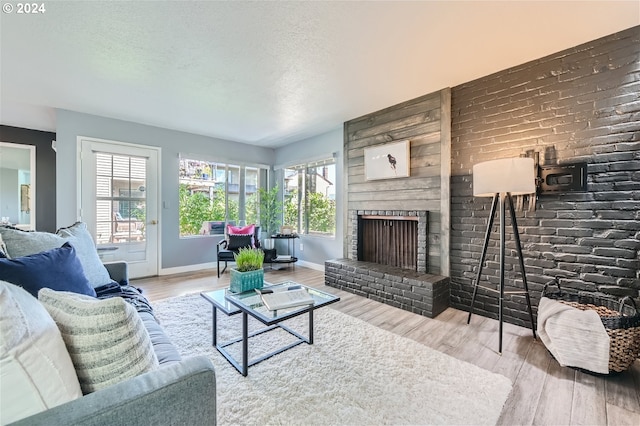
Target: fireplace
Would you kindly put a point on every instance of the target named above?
(387, 262)
(388, 240)
(395, 238)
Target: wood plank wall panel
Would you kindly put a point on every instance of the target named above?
(419, 121)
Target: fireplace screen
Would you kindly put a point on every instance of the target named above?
(388, 240)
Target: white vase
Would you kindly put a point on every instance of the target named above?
(268, 243)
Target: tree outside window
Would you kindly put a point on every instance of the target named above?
(311, 210)
(211, 191)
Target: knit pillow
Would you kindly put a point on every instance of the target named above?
(106, 339)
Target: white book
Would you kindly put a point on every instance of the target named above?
(286, 297)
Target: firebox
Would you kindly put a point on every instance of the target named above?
(398, 239)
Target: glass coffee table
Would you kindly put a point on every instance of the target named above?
(250, 304)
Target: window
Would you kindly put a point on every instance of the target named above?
(213, 193)
(120, 198)
(251, 192)
(310, 198)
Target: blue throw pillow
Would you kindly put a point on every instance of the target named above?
(58, 269)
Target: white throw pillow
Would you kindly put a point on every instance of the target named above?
(36, 372)
(106, 339)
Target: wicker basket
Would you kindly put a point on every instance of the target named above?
(622, 324)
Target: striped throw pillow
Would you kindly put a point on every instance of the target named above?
(106, 339)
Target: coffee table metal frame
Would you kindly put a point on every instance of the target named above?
(249, 303)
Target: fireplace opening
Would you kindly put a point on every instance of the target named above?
(388, 240)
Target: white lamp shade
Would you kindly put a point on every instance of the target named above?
(514, 175)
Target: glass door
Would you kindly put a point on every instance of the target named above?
(119, 203)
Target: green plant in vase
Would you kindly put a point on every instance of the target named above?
(248, 273)
(249, 259)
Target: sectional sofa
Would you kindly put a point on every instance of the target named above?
(39, 384)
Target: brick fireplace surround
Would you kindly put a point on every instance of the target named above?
(411, 290)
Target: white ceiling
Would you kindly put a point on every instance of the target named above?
(270, 73)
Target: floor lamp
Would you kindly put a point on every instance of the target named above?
(501, 179)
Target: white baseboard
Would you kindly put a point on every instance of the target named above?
(210, 265)
(188, 268)
(310, 265)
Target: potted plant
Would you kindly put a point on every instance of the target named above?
(248, 273)
(270, 212)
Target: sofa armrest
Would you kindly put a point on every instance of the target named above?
(118, 271)
(180, 393)
(222, 244)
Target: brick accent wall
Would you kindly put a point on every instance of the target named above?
(420, 293)
(579, 105)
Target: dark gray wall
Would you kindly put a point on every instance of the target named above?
(579, 105)
(45, 171)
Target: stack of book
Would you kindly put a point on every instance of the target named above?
(284, 297)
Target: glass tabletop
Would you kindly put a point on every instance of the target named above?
(251, 302)
(218, 299)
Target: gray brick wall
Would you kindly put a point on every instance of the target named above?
(579, 105)
(417, 292)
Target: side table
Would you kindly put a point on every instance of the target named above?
(290, 256)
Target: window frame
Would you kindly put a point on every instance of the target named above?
(303, 172)
(234, 174)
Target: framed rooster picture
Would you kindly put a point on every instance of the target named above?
(387, 161)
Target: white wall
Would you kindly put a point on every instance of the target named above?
(317, 249)
(176, 252)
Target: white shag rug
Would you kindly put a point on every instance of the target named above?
(353, 374)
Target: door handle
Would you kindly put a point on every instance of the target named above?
(154, 222)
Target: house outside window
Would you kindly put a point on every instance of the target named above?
(120, 198)
(310, 198)
(213, 193)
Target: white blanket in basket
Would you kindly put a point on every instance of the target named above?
(574, 337)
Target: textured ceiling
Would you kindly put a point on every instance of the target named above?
(270, 73)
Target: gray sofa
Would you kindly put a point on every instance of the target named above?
(181, 391)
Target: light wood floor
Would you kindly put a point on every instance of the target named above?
(543, 392)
